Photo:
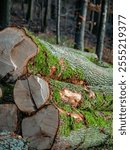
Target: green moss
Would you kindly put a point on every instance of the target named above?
(95, 111)
(44, 60)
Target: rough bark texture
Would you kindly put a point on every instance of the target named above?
(4, 13)
(102, 29)
(31, 94)
(16, 49)
(81, 12)
(81, 139)
(11, 141)
(94, 75)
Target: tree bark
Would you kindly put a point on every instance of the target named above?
(44, 17)
(96, 19)
(92, 18)
(93, 74)
(81, 7)
(4, 13)
(102, 28)
(58, 22)
(30, 12)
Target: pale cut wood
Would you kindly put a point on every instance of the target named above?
(41, 128)
(16, 49)
(31, 94)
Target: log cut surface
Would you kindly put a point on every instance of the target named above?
(16, 49)
(8, 117)
(31, 94)
(41, 128)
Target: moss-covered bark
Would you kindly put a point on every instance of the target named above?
(74, 64)
(60, 65)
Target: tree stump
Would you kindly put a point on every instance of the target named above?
(31, 94)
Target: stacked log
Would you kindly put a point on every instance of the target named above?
(30, 93)
(25, 106)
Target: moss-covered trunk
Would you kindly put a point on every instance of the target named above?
(70, 63)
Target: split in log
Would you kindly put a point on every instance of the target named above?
(16, 49)
(31, 94)
(41, 128)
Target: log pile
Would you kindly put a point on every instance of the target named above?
(30, 93)
(26, 100)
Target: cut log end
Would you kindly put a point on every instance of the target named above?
(31, 94)
(16, 49)
(41, 128)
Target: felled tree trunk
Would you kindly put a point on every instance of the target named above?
(78, 62)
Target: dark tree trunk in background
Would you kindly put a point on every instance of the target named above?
(58, 22)
(81, 12)
(102, 28)
(30, 12)
(4, 13)
(44, 16)
(92, 18)
(96, 19)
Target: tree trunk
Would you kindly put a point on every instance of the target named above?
(44, 17)
(81, 12)
(92, 18)
(96, 19)
(102, 28)
(4, 13)
(92, 73)
(58, 22)
(30, 12)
